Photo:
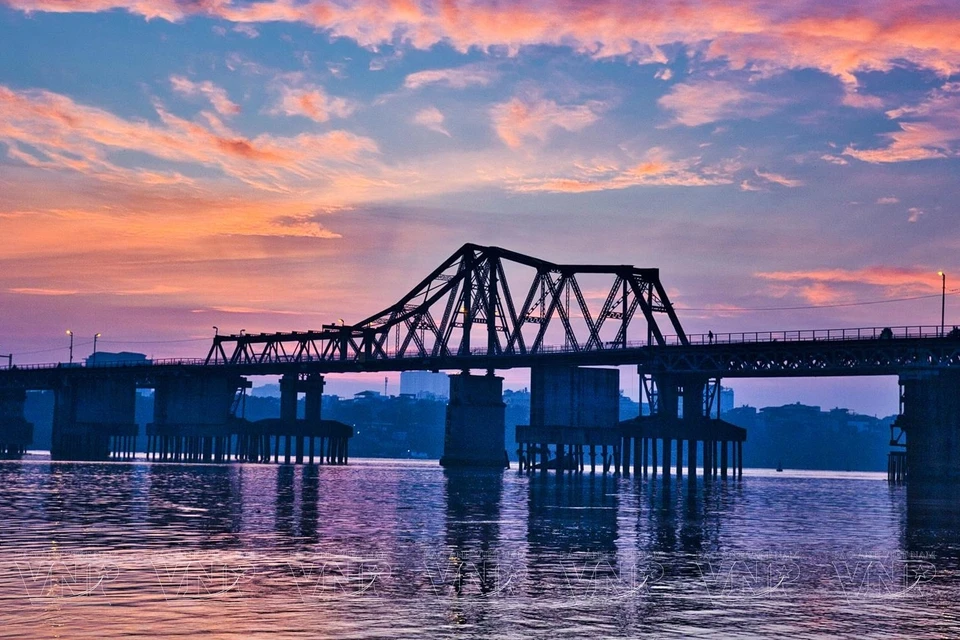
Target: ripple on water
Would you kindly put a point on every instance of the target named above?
(391, 549)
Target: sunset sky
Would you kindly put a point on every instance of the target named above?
(170, 165)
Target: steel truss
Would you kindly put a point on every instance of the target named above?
(466, 308)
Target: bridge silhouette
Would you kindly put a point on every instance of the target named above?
(465, 316)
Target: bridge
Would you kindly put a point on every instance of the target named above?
(464, 316)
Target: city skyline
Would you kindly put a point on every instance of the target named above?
(170, 166)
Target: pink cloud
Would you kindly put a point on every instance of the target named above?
(458, 78)
(310, 101)
(706, 101)
(521, 119)
(48, 130)
(927, 130)
(431, 118)
(889, 277)
(776, 178)
(656, 169)
(753, 34)
(216, 95)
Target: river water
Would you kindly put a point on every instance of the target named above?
(395, 549)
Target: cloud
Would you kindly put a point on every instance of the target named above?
(706, 101)
(48, 130)
(776, 178)
(927, 130)
(753, 34)
(894, 278)
(521, 119)
(888, 200)
(297, 97)
(656, 169)
(432, 119)
(216, 95)
(246, 29)
(457, 78)
(915, 214)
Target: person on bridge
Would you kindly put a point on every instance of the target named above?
(710, 336)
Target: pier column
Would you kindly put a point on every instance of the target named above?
(89, 411)
(667, 446)
(190, 409)
(474, 434)
(931, 419)
(16, 433)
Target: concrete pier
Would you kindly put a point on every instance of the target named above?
(573, 411)
(930, 417)
(16, 433)
(192, 418)
(94, 418)
(474, 435)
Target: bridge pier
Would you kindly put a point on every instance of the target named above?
(930, 417)
(573, 407)
(681, 407)
(475, 429)
(16, 433)
(193, 418)
(94, 418)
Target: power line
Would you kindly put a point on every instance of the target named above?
(819, 306)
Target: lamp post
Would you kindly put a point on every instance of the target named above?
(70, 333)
(95, 336)
(943, 299)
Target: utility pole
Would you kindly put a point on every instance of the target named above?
(70, 333)
(943, 299)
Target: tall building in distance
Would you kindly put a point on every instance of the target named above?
(726, 399)
(425, 384)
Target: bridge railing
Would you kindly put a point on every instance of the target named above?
(697, 339)
(813, 335)
(106, 365)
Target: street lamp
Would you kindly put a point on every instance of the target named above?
(95, 336)
(943, 299)
(216, 331)
(70, 333)
(241, 331)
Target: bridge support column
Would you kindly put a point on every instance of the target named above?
(667, 452)
(92, 418)
(16, 433)
(191, 411)
(474, 435)
(931, 420)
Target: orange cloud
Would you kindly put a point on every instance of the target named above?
(300, 98)
(889, 277)
(753, 34)
(61, 133)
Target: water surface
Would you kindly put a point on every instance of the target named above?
(403, 549)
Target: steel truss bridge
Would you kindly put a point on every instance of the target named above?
(465, 315)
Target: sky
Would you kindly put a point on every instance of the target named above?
(171, 165)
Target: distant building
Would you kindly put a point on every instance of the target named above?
(102, 358)
(425, 384)
(726, 399)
